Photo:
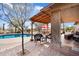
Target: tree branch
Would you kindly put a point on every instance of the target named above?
(9, 18)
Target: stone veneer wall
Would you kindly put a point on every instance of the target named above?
(55, 29)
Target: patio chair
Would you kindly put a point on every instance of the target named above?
(38, 37)
(48, 37)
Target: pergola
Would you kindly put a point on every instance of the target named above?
(56, 14)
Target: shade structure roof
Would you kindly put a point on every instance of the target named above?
(41, 17)
(69, 12)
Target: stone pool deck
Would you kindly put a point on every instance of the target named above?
(38, 50)
(34, 50)
(11, 42)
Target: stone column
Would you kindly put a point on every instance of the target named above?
(47, 27)
(55, 29)
(32, 31)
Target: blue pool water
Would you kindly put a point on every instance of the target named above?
(13, 36)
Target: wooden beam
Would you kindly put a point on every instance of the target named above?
(39, 17)
(45, 13)
(47, 20)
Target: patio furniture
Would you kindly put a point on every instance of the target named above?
(76, 37)
(69, 37)
(49, 36)
(38, 37)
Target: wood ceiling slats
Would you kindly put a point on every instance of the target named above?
(41, 17)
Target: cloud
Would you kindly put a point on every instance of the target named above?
(36, 10)
(38, 7)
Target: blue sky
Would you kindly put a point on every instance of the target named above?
(67, 24)
(37, 7)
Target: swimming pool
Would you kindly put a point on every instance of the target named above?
(13, 36)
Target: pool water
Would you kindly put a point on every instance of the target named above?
(13, 36)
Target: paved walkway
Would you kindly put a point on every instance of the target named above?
(34, 50)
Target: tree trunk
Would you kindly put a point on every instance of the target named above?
(22, 41)
(15, 29)
(3, 27)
